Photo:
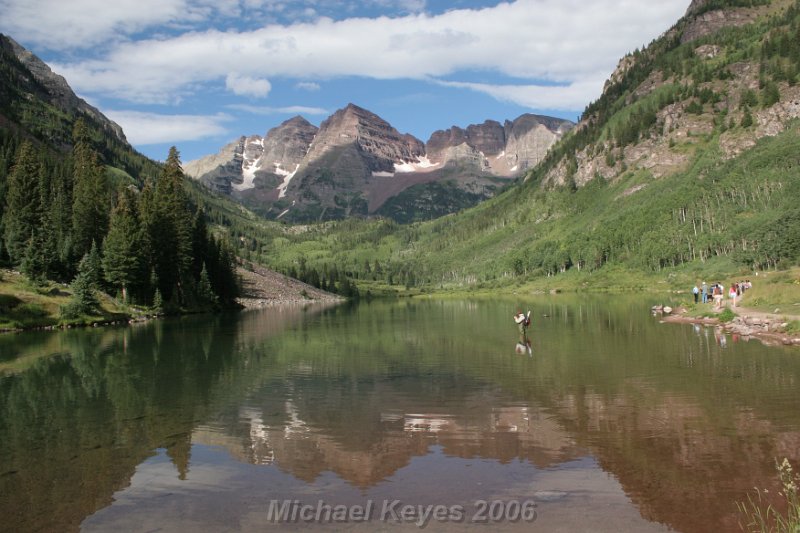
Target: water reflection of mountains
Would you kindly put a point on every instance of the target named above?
(379, 445)
(86, 407)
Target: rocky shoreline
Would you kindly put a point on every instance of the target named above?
(262, 287)
(769, 328)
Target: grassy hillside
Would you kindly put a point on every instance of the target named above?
(686, 166)
(717, 218)
(26, 305)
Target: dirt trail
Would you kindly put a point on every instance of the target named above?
(755, 313)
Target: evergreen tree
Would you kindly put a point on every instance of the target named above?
(204, 291)
(124, 262)
(89, 202)
(771, 95)
(199, 243)
(23, 212)
(7, 151)
(94, 265)
(748, 98)
(83, 300)
(147, 221)
(158, 302)
(313, 278)
(34, 261)
(170, 229)
(222, 272)
(59, 200)
(49, 242)
(747, 118)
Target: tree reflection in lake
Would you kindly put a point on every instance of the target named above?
(420, 401)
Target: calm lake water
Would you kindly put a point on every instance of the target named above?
(612, 421)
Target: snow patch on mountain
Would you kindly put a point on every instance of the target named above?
(422, 164)
(249, 169)
(287, 177)
(252, 149)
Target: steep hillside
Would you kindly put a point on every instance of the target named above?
(38, 104)
(78, 205)
(724, 70)
(40, 110)
(689, 157)
(690, 154)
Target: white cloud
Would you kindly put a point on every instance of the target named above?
(570, 97)
(84, 23)
(247, 86)
(295, 109)
(308, 86)
(152, 128)
(576, 43)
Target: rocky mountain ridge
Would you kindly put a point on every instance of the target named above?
(356, 161)
(717, 98)
(59, 93)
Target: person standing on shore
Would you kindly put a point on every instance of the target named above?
(705, 292)
(732, 294)
(717, 294)
(695, 292)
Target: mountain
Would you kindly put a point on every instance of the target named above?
(688, 159)
(252, 160)
(30, 75)
(78, 204)
(357, 164)
(686, 164)
(506, 150)
(38, 104)
(693, 83)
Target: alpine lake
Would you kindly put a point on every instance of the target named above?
(394, 415)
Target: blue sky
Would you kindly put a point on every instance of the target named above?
(199, 73)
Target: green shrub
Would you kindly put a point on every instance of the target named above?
(726, 315)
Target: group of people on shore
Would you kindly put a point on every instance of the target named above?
(716, 292)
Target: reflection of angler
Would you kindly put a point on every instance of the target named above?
(524, 348)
